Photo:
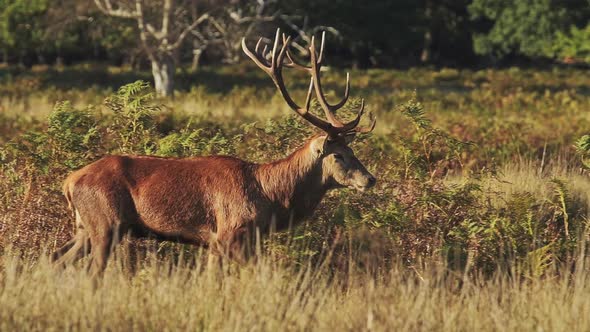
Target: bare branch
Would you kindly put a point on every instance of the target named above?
(142, 31)
(106, 7)
(304, 32)
(155, 33)
(187, 30)
(166, 19)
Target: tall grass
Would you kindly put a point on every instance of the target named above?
(270, 296)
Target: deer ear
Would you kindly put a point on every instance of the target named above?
(318, 144)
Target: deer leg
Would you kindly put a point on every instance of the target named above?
(73, 243)
(73, 250)
(103, 243)
(62, 250)
(101, 249)
(237, 251)
(234, 245)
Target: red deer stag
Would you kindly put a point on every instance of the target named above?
(216, 200)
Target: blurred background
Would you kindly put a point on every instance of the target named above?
(170, 35)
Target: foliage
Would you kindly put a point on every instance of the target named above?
(525, 27)
(574, 45)
(133, 110)
(387, 33)
(195, 142)
(73, 134)
(582, 146)
(70, 140)
(20, 24)
(522, 27)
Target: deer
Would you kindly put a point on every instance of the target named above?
(217, 202)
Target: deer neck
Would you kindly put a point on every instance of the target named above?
(295, 183)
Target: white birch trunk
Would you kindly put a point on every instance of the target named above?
(163, 72)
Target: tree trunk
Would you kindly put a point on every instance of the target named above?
(59, 60)
(40, 58)
(425, 56)
(163, 72)
(197, 52)
(362, 56)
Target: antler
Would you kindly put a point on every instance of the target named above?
(274, 70)
(333, 127)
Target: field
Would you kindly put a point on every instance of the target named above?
(478, 221)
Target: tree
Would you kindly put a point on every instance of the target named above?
(162, 30)
(239, 20)
(526, 27)
(372, 33)
(227, 27)
(574, 45)
(446, 31)
(20, 28)
(304, 32)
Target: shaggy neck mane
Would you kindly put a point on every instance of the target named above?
(294, 183)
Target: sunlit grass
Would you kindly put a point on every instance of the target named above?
(269, 296)
(527, 176)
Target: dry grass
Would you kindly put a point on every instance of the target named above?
(527, 176)
(268, 296)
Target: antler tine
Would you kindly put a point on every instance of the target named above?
(308, 98)
(258, 45)
(292, 63)
(258, 60)
(346, 93)
(273, 63)
(284, 50)
(370, 127)
(316, 68)
(321, 56)
(349, 126)
(264, 54)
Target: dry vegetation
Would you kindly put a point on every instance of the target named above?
(478, 222)
(269, 296)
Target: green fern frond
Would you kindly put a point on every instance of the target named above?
(414, 111)
(582, 146)
(538, 261)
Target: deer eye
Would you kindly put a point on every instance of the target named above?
(338, 156)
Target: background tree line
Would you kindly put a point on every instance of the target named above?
(164, 34)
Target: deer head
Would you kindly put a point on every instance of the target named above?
(340, 167)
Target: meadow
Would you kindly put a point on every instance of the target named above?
(479, 219)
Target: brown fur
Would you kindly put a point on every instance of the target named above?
(202, 200)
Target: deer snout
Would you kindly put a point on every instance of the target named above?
(364, 181)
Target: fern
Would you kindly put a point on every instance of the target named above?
(432, 147)
(582, 147)
(415, 112)
(73, 135)
(538, 261)
(134, 111)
